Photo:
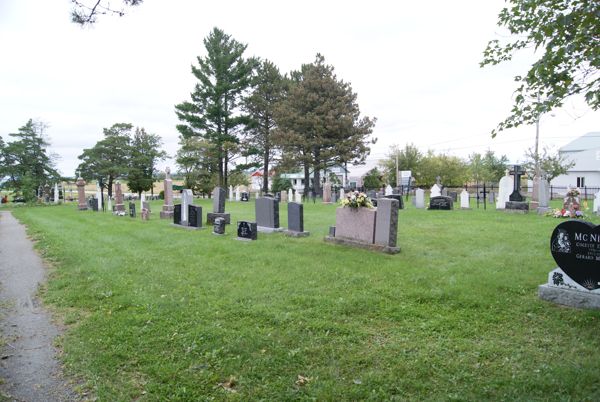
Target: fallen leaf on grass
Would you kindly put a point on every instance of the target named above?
(229, 384)
(302, 380)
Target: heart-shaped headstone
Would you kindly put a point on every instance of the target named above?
(575, 246)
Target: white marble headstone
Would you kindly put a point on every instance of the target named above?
(142, 201)
(237, 193)
(464, 199)
(436, 191)
(420, 198)
(389, 190)
(99, 196)
(298, 197)
(597, 203)
(342, 193)
(505, 188)
(187, 199)
(290, 195)
(230, 193)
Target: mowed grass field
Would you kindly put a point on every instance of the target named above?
(157, 313)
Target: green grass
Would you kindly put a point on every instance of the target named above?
(157, 313)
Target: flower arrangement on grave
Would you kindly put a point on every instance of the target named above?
(565, 213)
(355, 200)
(574, 192)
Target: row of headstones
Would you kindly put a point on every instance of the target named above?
(189, 215)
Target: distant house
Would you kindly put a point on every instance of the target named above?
(585, 152)
(297, 178)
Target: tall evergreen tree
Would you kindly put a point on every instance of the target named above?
(320, 121)
(213, 112)
(26, 162)
(269, 89)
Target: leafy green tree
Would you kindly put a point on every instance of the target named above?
(408, 158)
(452, 170)
(145, 152)
(196, 160)
(213, 112)
(280, 184)
(87, 12)
(269, 88)
(552, 164)
(373, 179)
(319, 121)
(26, 162)
(567, 34)
(493, 166)
(108, 160)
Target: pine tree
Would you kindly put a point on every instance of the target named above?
(26, 162)
(269, 89)
(213, 112)
(320, 121)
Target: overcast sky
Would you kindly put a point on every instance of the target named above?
(414, 66)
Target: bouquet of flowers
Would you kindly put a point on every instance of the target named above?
(565, 213)
(574, 192)
(355, 199)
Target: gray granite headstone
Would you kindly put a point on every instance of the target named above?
(386, 222)
(218, 195)
(132, 209)
(267, 214)
(219, 226)
(218, 200)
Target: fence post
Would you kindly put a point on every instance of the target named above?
(550, 192)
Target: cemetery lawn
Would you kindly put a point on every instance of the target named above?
(157, 313)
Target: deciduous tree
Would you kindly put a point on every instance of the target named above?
(566, 36)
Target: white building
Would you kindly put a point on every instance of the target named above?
(297, 179)
(585, 152)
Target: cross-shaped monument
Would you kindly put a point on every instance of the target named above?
(517, 171)
(484, 194)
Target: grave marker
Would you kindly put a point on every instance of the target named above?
(247, 230)
(296, 220)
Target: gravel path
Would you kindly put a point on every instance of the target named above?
(28, 365)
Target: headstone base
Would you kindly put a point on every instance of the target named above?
(542, 210)
(266, 229)
(293, 233)
(518, 207)
(211, 216)
(120, 207)
(244, 239)
(166, 214)
(465, 208)
(569, 297)
(186, 227)
(534, 205)
(82, 208)
(360, 244)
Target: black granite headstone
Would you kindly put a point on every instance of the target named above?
(451, 194)
(575, 246)
(177, 214)
(245, 197)
(517, 172)
(194, 216)
(132, 209)
(247, 230)
(94, 203)
(441, 203)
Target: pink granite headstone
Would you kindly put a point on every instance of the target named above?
(355, 224)
(119, 206)
(168, 208)
(81, 204)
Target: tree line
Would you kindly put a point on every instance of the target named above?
(454, 171)
(244, 113)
